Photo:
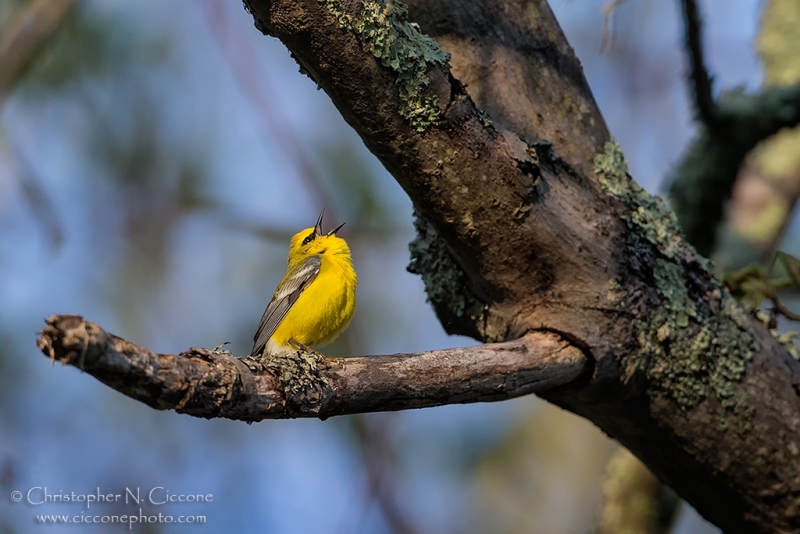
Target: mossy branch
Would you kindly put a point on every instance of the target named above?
(400, 46)
(213, 383)
(730, 127)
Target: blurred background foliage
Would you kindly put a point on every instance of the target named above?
(155, 157)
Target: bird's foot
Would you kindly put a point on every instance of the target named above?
(219, 350)
(303, 347)
(318, 355)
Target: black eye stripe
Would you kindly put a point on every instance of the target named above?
(309, 238)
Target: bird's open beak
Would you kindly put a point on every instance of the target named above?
(318, 226)
(333, 232)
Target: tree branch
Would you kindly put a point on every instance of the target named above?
(210, 384)
(520, 234)
(703, 181)
(28, 30)
(700, 88)
(520, 71)
(768, 184)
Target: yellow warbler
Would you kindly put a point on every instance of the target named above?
(315, 300)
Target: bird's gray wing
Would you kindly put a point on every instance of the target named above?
(284, 298)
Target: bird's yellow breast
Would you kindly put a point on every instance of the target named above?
(323, 309)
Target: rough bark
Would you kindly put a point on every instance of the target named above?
(519, 68)
(520, 232)
(213, 383)
(539, 241)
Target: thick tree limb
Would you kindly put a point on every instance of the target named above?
(210, 384)
(505, 80)
(520, 234)
(520, 70)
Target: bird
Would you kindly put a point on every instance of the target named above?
(316, 298)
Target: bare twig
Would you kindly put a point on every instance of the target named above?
(700, 79)
(783, 310)
(209, 384)
(608, 23)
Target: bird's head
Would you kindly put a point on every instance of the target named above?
(312, 241)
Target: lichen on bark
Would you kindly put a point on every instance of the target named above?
(304, 387)
(399, 45)
(446, 286)
(694, 339)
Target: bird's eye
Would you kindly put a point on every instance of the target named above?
(309, 238)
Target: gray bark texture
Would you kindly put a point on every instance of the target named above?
(530, 232)
(524, 200)
(213, 383)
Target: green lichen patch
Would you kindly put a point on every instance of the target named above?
(689, 360)
(445, 282)
(694, 338)
(612, 171)
(303, 384)
(399, 45)
(658, 225)
(650, 218)
(670, 285)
